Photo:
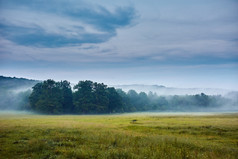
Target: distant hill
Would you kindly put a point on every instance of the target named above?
(14, 92)
(162, 90)
(13, 83)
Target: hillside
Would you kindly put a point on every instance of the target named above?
(10, 83)
(14, 92)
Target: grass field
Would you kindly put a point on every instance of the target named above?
(119, 136)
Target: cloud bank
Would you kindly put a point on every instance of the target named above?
(60, 23)
(175, 43)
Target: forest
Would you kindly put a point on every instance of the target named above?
(88, 97)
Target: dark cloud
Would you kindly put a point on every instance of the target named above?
(79, 15)
(38, 37)
(104, 19)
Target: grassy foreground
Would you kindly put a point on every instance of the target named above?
(118, 136)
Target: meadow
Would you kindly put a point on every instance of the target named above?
(128, 136)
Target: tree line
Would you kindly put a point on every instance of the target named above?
(87, 97)
(50, 97)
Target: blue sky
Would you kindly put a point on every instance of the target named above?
(185, 43)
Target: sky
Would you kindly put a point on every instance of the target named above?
(175, 43)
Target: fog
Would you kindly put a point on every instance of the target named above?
(180, 113)
(184, 103)
(162, 90)
(15, 112)
(15, 99)
(148, 113)
(15, 92)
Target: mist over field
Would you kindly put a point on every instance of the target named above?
(165, 91)
(14, 93)
(17, 95)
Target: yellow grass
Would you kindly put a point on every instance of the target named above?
(118, 136)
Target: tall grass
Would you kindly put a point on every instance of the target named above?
(119, 136)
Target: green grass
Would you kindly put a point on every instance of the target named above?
(117, 136)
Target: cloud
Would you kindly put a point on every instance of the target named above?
(100, 31)
(173, 43)
(60, 23)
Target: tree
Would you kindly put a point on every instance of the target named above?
(101, 97)
(143, 102)
(94, 98)
(126, 104)
(133, 97)
(202, 100)
(83, 97)
(67, 95)
(160, 103)
(35, 95)
(50, 97)
(115, 101)
(23, 100)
